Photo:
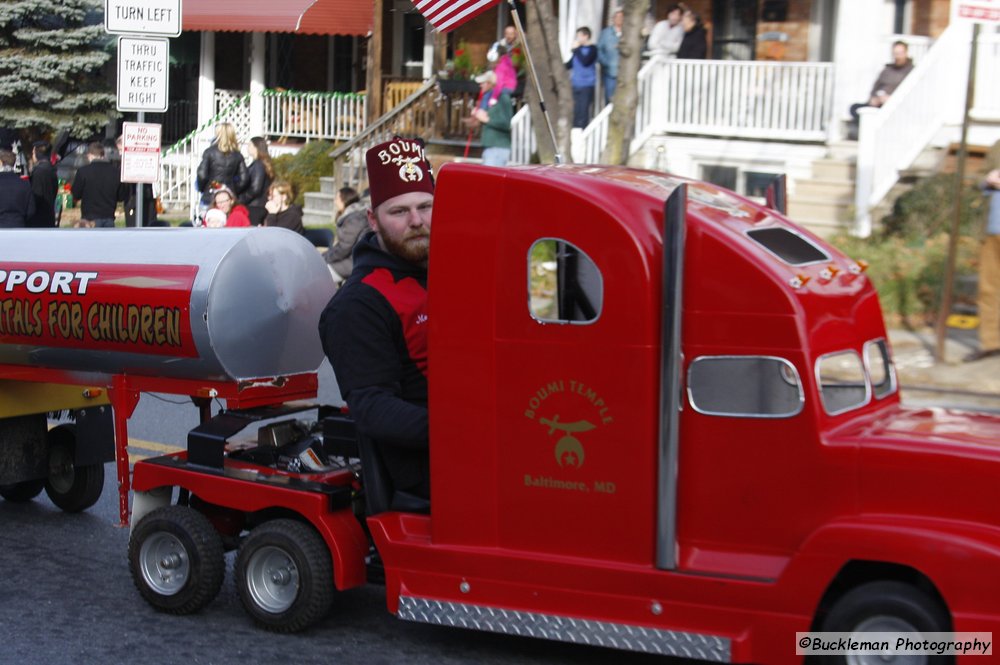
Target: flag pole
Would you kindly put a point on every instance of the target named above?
(534, 79)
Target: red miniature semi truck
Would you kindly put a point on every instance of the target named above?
(662, 418)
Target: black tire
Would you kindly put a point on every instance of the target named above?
(284, 576)
(176, 559)
(72, 488)
(22, 492)
(887, 606)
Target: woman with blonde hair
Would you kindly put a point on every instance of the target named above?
(281, 211)
(222, 164)
(260, 174)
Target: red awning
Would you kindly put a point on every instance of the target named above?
(309, 17)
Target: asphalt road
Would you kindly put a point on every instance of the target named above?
(68, 596)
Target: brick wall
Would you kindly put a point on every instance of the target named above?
(930, 17)
(796, 26)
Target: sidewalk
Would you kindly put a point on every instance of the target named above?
(951, 382)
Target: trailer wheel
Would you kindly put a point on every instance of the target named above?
(887, 606)
(284, 576)
(72, 488)
(24, 491)
(176, 559)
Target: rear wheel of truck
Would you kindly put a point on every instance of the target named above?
(284, 576)
(176, 559)
(887, 607)
(72, 488)
(23, 491)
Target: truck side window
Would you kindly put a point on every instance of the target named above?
(880, 368)
(744, 386)
(564, 284)
(788, 246)
(841, 379)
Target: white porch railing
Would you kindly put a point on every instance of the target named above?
(309, 115)
(331, 116)
(891, 137)
(987, 103)
(786, 100)
(522, 138)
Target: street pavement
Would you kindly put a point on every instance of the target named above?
(950, 382)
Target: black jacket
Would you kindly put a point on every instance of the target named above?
(45, 186)
(17, 204)
(694, 46)
(225, 168)
(257, 183)
(374, 331)
(98, 186)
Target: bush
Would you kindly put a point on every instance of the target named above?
(906, 258)
(304, 169)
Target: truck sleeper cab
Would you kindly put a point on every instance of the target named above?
(663, 419)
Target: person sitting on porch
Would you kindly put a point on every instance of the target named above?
(890, 78)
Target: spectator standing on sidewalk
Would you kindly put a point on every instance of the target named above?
(694, 46)
(260, 175)
(493, 114)
(667, 35)
(44, 186)
(583, 77)
(607, 54)
(98, 186)
(988, 299)
(352, 222)
(17, 203)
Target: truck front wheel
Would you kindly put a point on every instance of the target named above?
(26, 490)
(887, 606)
(72, 488)
(176, 559)
(284, 576)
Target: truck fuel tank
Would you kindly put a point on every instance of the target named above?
(206, 304)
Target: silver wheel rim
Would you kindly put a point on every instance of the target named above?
(61, 470)
(884, 624)
(272, 579)
(165, 563)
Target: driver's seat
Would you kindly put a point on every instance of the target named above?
(380, 495)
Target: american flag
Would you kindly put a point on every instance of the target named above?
(446, 15)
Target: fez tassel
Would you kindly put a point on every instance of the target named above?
(446, 15)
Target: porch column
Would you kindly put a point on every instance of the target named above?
(206, 78)
(257, 54)
(855, 54)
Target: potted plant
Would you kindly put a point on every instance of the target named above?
(457, 75)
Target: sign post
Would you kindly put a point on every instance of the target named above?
(143, 76)
(975, 12)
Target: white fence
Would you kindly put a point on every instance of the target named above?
(890, 138)
(786, 100)
(522, 141)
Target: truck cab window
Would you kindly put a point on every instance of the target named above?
(564, 284)
(841, 379)
(880, 368)
(744, 386)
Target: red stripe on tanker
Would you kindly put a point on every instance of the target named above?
(205, 304)
(134, 308)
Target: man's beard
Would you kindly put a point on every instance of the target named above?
(413, 247)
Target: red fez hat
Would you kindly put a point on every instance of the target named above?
(398, 167)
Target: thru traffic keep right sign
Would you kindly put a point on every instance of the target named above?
(143, 74)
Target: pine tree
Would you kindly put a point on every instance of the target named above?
(52, 57)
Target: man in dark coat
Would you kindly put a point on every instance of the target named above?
(374, 331)
(44, 186)
(98, 186)
(17, 205)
